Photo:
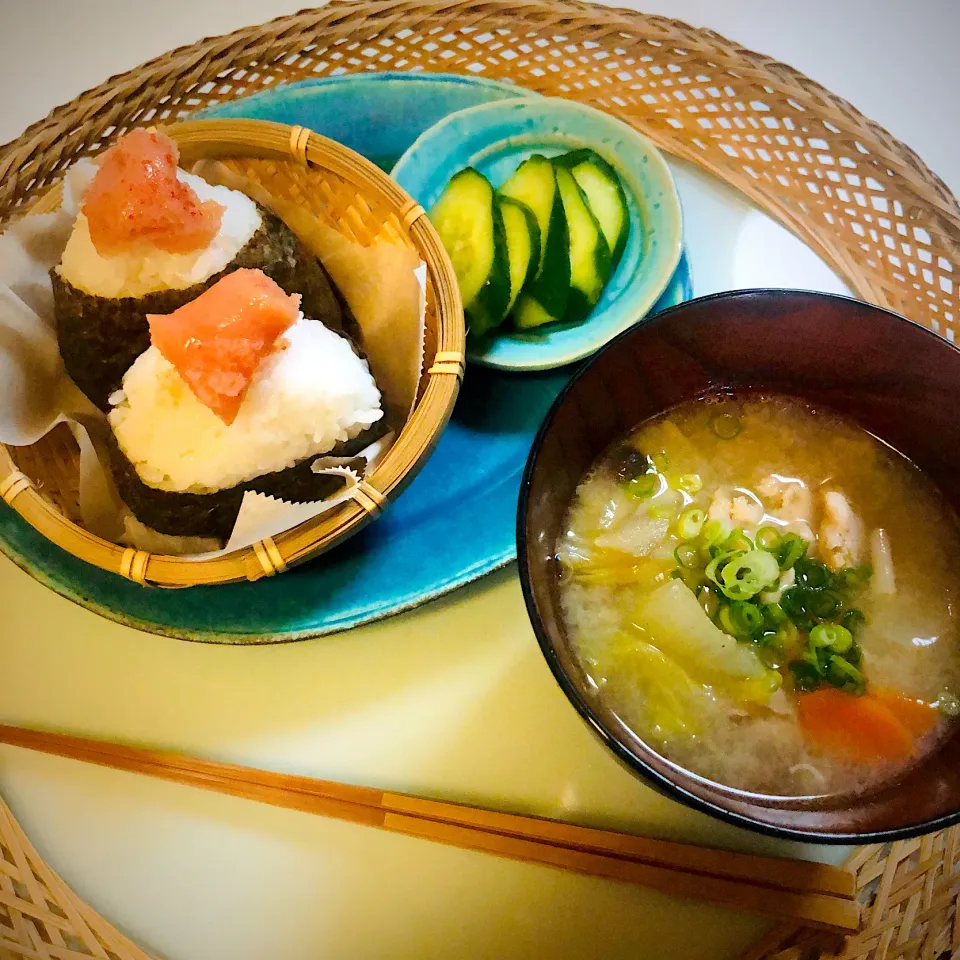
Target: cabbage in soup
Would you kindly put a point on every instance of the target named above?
(764, 593)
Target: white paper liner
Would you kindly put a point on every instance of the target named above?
(263, 516)
(383, 284)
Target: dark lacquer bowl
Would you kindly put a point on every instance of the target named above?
(895, 378)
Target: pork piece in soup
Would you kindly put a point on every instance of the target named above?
(764, 593)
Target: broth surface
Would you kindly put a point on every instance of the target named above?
(754, 712)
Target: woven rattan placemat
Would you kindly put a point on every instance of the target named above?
(861, 199)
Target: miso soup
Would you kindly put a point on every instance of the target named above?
(765, 594)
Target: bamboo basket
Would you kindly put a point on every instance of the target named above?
(344, 191)
(861, 199)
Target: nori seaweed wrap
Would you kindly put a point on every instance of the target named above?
(214, 514)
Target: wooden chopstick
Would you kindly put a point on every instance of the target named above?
(816, 894)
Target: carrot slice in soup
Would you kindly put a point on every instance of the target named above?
(858, 728)
(217, 341)
(917, 716)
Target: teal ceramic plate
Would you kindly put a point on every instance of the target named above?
(495, 138)
(470, 484)
(379, 115)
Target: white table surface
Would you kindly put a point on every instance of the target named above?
(452, 701)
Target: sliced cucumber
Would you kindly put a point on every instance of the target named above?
(544, 297)
(529, 313)
(589, 253)
(605, 196)
(533, 183)
(467, 218)
(523, 244)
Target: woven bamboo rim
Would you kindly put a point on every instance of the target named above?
(860, 198)
(361, 186)
(41, 918)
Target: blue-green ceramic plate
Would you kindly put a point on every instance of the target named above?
(495, 138)
(379, 115)
(407, 557)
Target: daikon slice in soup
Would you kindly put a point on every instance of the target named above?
(765, 594)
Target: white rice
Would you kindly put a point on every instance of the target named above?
(302, 401)
(145, 269)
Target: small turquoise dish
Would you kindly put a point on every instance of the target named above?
(495, 138)
(470, 484)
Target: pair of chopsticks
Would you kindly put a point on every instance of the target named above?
(818, 895)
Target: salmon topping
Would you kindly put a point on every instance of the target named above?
(217, 341)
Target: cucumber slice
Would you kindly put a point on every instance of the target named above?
(589, 253)
(529, 313)
(543, 298)
(605, 196)
(523, 244)
(467, 218)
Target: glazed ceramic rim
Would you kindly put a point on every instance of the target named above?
(235, 109)
(639, 298)
(588, 714)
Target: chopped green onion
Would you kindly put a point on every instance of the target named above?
(853, 578)
(812, 574)
(814, 659)
(806, 678)
(838, 639)
(644, 487)
(948, 704)
(727, 623)
(768, 538)
(845, 677)
(773, 615)
(726, 426)
(790, 550)
(661, 461)
(824, 604)
(690, 483)
(746, 575)
(687, 556)
(768, 652)
(787, 635)
(713, 531)
(794, 602)
(747, 617)
(690, 523)
(712, 571)
(631, 463)
(853, 619)
(738, 540)
(708, 599)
